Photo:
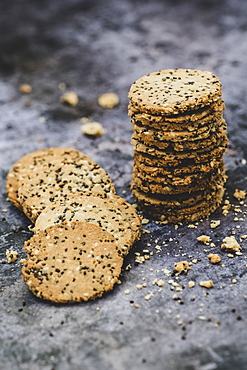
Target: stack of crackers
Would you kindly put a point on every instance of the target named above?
(82, 228)
(179, 139)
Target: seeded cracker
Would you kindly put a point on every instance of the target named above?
(112, 214)
(57, 182)
(23, 168)
(175, 91)
(72, 263)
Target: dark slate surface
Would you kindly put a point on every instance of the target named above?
(95, 47)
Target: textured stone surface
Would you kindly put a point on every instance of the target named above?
(96, 47)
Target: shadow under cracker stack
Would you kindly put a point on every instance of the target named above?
(179, 139)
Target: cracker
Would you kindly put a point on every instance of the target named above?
(194, 117)
(171, 178)
(173, 91)
(21, 169)
(156, 167)
(56, 183)
(72, 263)
(168, 188)
(201, 155)
(207, 142)
(181, 200)
(113, 214)
(153, 134)
(175, 214)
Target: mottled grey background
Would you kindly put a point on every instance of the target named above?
(96, 47)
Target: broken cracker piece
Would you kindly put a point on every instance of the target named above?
(70, 98)
(93, 129)
(204, 239)
(214, 224)
(214, 258)
(108, 100)
(25, 89)
(181, 266)
(11, 256)
(239, 194)
(230, 244)
(206, 283)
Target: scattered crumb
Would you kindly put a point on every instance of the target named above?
(182, 266)
(191, 226)
(239, 194)
(145, 221)
(214, 258)
(234, 281)
(93, 129)
(159, 282)
(148, 296)
(23, 261)
(139, 259)
(70, 98)
(11, 256)
(230, 244)
(191, 284)
(127, 291)
(166, 272)
(108, 100)
(97, 308)
(204, 239)
(206, 284)
(214, 224)
(137, 305)
(25, 89)
(139, 286)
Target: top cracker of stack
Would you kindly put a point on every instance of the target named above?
(179, 139)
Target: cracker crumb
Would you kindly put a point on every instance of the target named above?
(127, 291)
(139, 286)
(192, 226)
(23, 261)
(11, 256)
(108, 100)
(191, 284)
(234, 281)
(140, 259)
(206, 283)
(181, 266)
(145, 221)
(93, 129)
(137, 305)
(204, 239)
(158, 282)
(214, 258)
(148, 296)
(70, 98)
(25, 88)
(230, 244)
(239, 194)
(214, 224)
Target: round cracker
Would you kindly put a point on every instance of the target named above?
(72, 263)
(113, 214)
(173, 91)
(57, 182)
(31, 161)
